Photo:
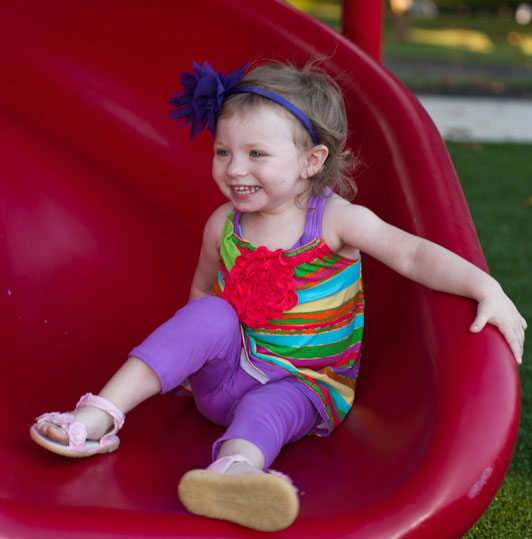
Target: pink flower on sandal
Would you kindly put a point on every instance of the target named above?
(76, 431)
(77, 434)
(260, 286)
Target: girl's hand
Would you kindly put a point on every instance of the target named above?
(499, 310)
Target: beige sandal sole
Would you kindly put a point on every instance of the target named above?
(259, 501)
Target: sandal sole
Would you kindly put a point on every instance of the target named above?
(259, 501)
(66, 451)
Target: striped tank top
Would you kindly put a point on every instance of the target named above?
(301, 312)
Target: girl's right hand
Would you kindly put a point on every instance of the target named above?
(499, 310)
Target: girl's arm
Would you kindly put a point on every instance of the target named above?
(435, 267)
(207, 269)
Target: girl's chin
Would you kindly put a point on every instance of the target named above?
(246, 201)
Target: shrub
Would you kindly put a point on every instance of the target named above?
(476, 5)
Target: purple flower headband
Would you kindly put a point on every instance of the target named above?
(201, 99)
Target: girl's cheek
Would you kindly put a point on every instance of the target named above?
(217, 169)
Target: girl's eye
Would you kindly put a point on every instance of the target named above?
(255, 153)
(222, 153)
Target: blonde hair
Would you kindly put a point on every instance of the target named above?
(319, 97)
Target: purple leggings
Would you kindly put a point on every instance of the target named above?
(202, 342)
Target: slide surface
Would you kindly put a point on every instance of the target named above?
(102, 205)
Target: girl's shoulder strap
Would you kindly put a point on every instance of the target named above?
(236, 221)
(236, 216)
(313, 222)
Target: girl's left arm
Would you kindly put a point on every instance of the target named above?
(435, 267)
(207, 269)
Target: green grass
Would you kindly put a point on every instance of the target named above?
(496, 179)
(491, 27)
(460, 42)
(327, 11)
(495, 29)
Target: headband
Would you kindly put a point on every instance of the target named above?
(298, 113)
(203, 94)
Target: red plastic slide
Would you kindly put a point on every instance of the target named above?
(102, 205)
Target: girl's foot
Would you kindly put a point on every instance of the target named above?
(97, 423)
(233, 489)
(90, 429)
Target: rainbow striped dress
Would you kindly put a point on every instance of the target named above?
(301, 313)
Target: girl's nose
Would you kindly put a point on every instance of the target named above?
(237, 167)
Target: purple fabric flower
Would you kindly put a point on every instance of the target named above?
(200, 101)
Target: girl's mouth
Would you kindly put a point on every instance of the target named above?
(245, 189)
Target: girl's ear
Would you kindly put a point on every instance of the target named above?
(315, 158)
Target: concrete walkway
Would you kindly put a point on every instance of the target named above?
(492, 119)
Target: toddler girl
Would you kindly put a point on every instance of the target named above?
(269, 341)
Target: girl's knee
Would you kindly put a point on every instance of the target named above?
(214, 314)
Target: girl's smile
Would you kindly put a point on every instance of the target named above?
(244, 190)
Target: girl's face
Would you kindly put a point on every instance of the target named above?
(256, 163)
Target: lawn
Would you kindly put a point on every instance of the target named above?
(475, 54)
(447, 37)
(481, 39)
(496, 179)
(497, 47)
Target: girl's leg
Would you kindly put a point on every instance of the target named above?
(240, 446)
(206, 330)
(267, 418)
(132, 384)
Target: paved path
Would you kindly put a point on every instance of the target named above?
(513, 79)
(480, 118)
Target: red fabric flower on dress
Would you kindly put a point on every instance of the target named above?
(260, 286)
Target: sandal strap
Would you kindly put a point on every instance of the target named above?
(107, 406)
(222, 465)
(75, 430)
(284, 477)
